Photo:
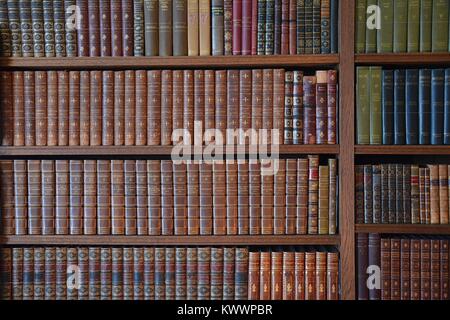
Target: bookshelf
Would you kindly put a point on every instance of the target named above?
(403, 229)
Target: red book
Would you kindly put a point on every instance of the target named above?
(237, 27)
(246, 27)
(254, 27)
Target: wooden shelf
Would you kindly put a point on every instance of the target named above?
(11, 152)
(403, 229)
(402, 150)
(171, 240)
(403, 59)
(86, 63)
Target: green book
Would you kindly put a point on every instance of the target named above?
(413, 25)
(363, 105)
(360, 26)
(440, 26)
(375, 106)
(426, 18)
(400, 25)
(385, 34)
(371, 34)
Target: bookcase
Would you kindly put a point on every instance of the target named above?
(347, 152)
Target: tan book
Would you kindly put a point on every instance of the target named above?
(205, 27)
(193, 28)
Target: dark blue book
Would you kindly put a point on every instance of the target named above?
(437, 106)
(412, 106)
(334, 26)
(447, 108)
(424, 106)
(399, 107)
(387, 106)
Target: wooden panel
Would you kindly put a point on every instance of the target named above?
(402, 150)
(403, 59)
(403, 229)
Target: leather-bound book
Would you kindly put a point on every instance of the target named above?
(221, 105)
(362, 260)
(74, 108)
(332, 276)
(180, 199)
(278, 106)
(149, 273)
(435, 270)
(37, 20)
(11, 21)
(26, 28)
(178, 103)
(90, 197)
(281, 40)
(325, 29)
(154, 197)
(261, 43)
(34, 197)
(72, 259)
(395, 269)
(94, 29)
(94, 273)
(434, 194)
(407, 194)
(237, 27)
(428, 195)
(289, 275)
(127, 28)
(180, 273)
(399, 107)
(85, 110)
(332, 164)
(96, 108)
(316, 31)
(62, 178)
(28, 273)
(392, 201)
(288, 106)
(180, 28)
(141, 108)
(17, 273)
(61, 273)
(7, 198)
(166, 107)
(63, 109)
(105, 274)
(384, 193)
(415, 201)
(228, 273)
(138, 273)
(313, 194)
(117, 273)
(443, 194)
(7, 111)
(232, 220)
(141, 197)
(321, 275)
(204, 281)
(139, 25)
(270, 27)
(359, 194)
(246, 45)
(204, 15)
(128, 270)
(279, 199)
(151, 27)
(193, 28)
(52, 108)
(217, 26)
(188, 107)
(154, 107)
(20, 195)
(405, 269)
(216, 276)
(29, 107)
(310, 276)
(292, 27)
(444, 269)
(191, 274)
(267, 202)
(308, 27)
(332, 106)
(323, 209)
(193, 199)
(291, 196)
(48, 197)
(276, 275)
(232, 104)
(415, 269)
(399, 209)
(108, 108)
(299, 270)
(309, 107)
(219, 198)
(18, 108)
(265, 276)
(130, 107)
(253, 275)
(423, 213)
(374, 257)
(321, 107)
(257, 99)
(50, 273)
(254, 30)
(245, 105)
(241, 274)
(130, 197)
(41, 108)
(103, 197)
(59, 28)
(83, 30)
(117, 198)
(200, 111)
(39, 273)
(302, 196)
(376, 194)
(83, 265)
(297, 108)
(385, 269)
(167, 198)
(243, 199)
(165, 28)
(437, 106)
(268, 102)
(116, 28)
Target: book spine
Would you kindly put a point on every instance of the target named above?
(178, 104)
(228, 27)
(243, 199)
(325, 26)
(130, 197)
(139, 31)
(276, 275)
(154, 107)
(108, 108)
(151, 27)
(246, 27)
(39, 274)
(90, 197)
(241, 274)
(313, 194)
(149, 273)
(180, 199)
(180, 28)
(7, 198)
(277, 136)
(281, 32)
(395, 269)
(217, 23)
(219, 199)
(323, 209)
(368, 194)
(166, 105)
(106, 28)
(94, 29)
(269, 27)
(376, 194)
(413, 25)
(288, 106)
(232, 198)
(425, 269)
(237, 27)
(265, 276)
(103, 197)
(253, 275)
(117, 198)
(193, 199)
(37, 20)
(180, 274)
(426, 20)
(435, 269)
(363, 105)
(321, 107)
(447, 107)
(245, 106)
(399, 107)
(165, 28)
(105, 274)
(34, 198)
(20, 194)
(334, 26)
(40, 107)
(374, 256)
(7, 107)
(29, 108)
(412, 106)
(279, 199)
(257, 102)
(443, 194)
(138, 274)
(49, 29)
(116, 29)
(400, 26)
(193, 28)
(292, 27)
(83, 264)
(375, 106)
(48, 197)
(85, 111)
(288, 275)
(254, 38)
(70, 10)
(309, 108)
(94, 273)
(63, 108)
(130, 107)
(216, 276)
(387, 105)
(406, 194)
(154, 197)
(405, 269)
(399, 205)
(298, 108)
(254, 198)
(205, 27)
(437, 106)
(267, 203)
(26, 28)
(167, 201)
(302, 196)
(268, 101)
(415, 269)
(424, 106)
(415, 201)
(221, 103)
(140, 108)
(83, 28)
(188, 106)
(141, 197)
(12, 19)
(59, 27)
(444, 269)
(359, 193)
(74, 108)
(332, 106)
(127, 28)
(371, 33)
(261, 43)
(191, 274)
(117, 273)
(386, 269)
(128, 274)
(439, 35)
(52, 108)
(204, 284)
(310, 276)
(316, 19)
(385, 34)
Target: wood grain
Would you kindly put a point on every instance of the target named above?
(403, 229)
(402, 150)
(403, 59)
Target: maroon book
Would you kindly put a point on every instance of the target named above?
(246, 27)
(237, 27)
(254, 27)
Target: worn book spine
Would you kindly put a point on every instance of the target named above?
(371, 33)
(141, 197)
(193, 28)
(20, 194)
(180, 273)
(127, 28)
(261, 43)
(39, 273)
(70, 10)
(11, 16)
(178, 104)
(205, 27)
(7, 106)
(405, 269)
(26, 28)
(277, 136)
(119, 108)
(165, 28)
(130, 197)
(267, 203)
(325, 28)
(395, 269)
(180, 199)
(167, 201)
(321, 275)
(149, 273)
(400, 26)
(108, 108)
(241, 274)
(74, 108)
(268, 102)
(106, 28)
(425, 269)
(310, 276)
(435, 270)
(29, 108)
(362, 258)
(288, 107)
(130, 107)
(257, 101)
(254, 198)
(399, 107)
(323, 209)
(246, 37)
(90, 197)
(151, 35)
(321, 107)
(374, 257)
(359, 194)
(426, 20)
(437, 106)
(7, 198)
(237, 27)
(228, 27)
(61, 273)
(117, 273)
(138, 274)
(216, 274)
(309, 108)
(439, 34)
(94, 29)
(332, 106)
(385, 269)
(300, 16)
(83, 265)
(166, 106)
(203, 102)
(302, 196)
(254, 38)
(424, 106)
(141, 108)
(96, 97)
(407, 194)
(217, 25)
(116, 29)
(253, 275)
(105, 274)
(193, 199)
(63, 108)
(399, 204)
(154, 197)
(415, 201)
(139, 28)
(443, 194)
(49, 30)
(128, 268)
(34, 197)
(265, 276)
(309, 40)
(49, 273)
(276, 275)
(387, 106)
(415, 269)
(37, 20)
(332, 198)
(219, 199)
(269, 27)
(447, 107)
(103, 197)
(154, 107)
(279, 199)
(41, 107)
(117, 198)
(297, 108)
(375, 106)
(52, 108)
(316, 22)
(48, 197)
(243, 197)
(188, 106)
(83, 29)
(232, 198)
(444, 269)
(332, 276)
(313, 194)
(94, 273)
(76, 197)
(204, 280)
(180, 28)
(280, 25)
(289, 275)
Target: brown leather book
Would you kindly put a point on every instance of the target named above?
(90, 197)
(17, 279)
(276, 275)
(85, 110)
(166, 107)
(105, 28)
(333, 276)
(323, 210)
(362, 260)
(245, 106)
(257, 100)
(321, 107)
(127, 28)
(321, 275)
(180, 273)
(288, 275)
(7, 198)
(254, 174)
(228, 26)
(310, 276)
(332, 106)
(39, 273)
(210, 104)
(221, 105)
(154, 196)
(395, 269)
(241, 274)
(427, 196)
(154, 107)
(108, 108)
(253, 275)
(243, 197)
(193, 199)
(232, 105)
(219, 199)
(297, 108)
(119, 108)
(191, 274)
(265, 276)
(422, 209)
(180, 199)
(228, 273)
(51, 120)
(435, 270)
(96, 108)
(434, 194)
(193, 28)
(385, 269)
(188, 106)
(50, 273)
(203, 280)
(63, 109)
(41, 107)
(268, 103)
(415, 269)
(313, 194)
(302, 196)
(332, 214)
(141, 108)
(232, 197)
(103, 197)
(20, 194)
(180, 28)
(128, 276)
(199, 110)
(149, 273)
(444, 269)
(130, 107)
(291, 196)
(72, 259)
(443, 194)
(267, 203)
(293, 27)
(76, 197)
(165, 28)
(178, 103)
(94, 273)
(281, 27)
(405, 269)
(117, 273)
(299, 275)
(130, 197)
(374, 257)
(116, 28)
(28, 272)
(141, 197)
(309, 105)
(151, 27)
(138, 274)
(34, 197)
(117, 198)
(204, 15)
(30, 111)
(167, 201)
(61, 273)
(94, 29)
(216, 275)
(279, 199)
(83, 30)
(48, 197)
(105, 274)
(288, 107)
(18, 108)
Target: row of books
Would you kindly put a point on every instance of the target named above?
(410, 267)
(384, 26)
(181, 273)
(130, 197)
(403, 194)
(401, 106)
(50, 108)
(49, 28)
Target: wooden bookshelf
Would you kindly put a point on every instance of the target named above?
(403, 59)
(403, 229)
(402, 150)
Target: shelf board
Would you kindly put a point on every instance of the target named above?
(402, 150)
(10, 152)
(403, 59)
(76, 63)
(171, 240)
(403, 229)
